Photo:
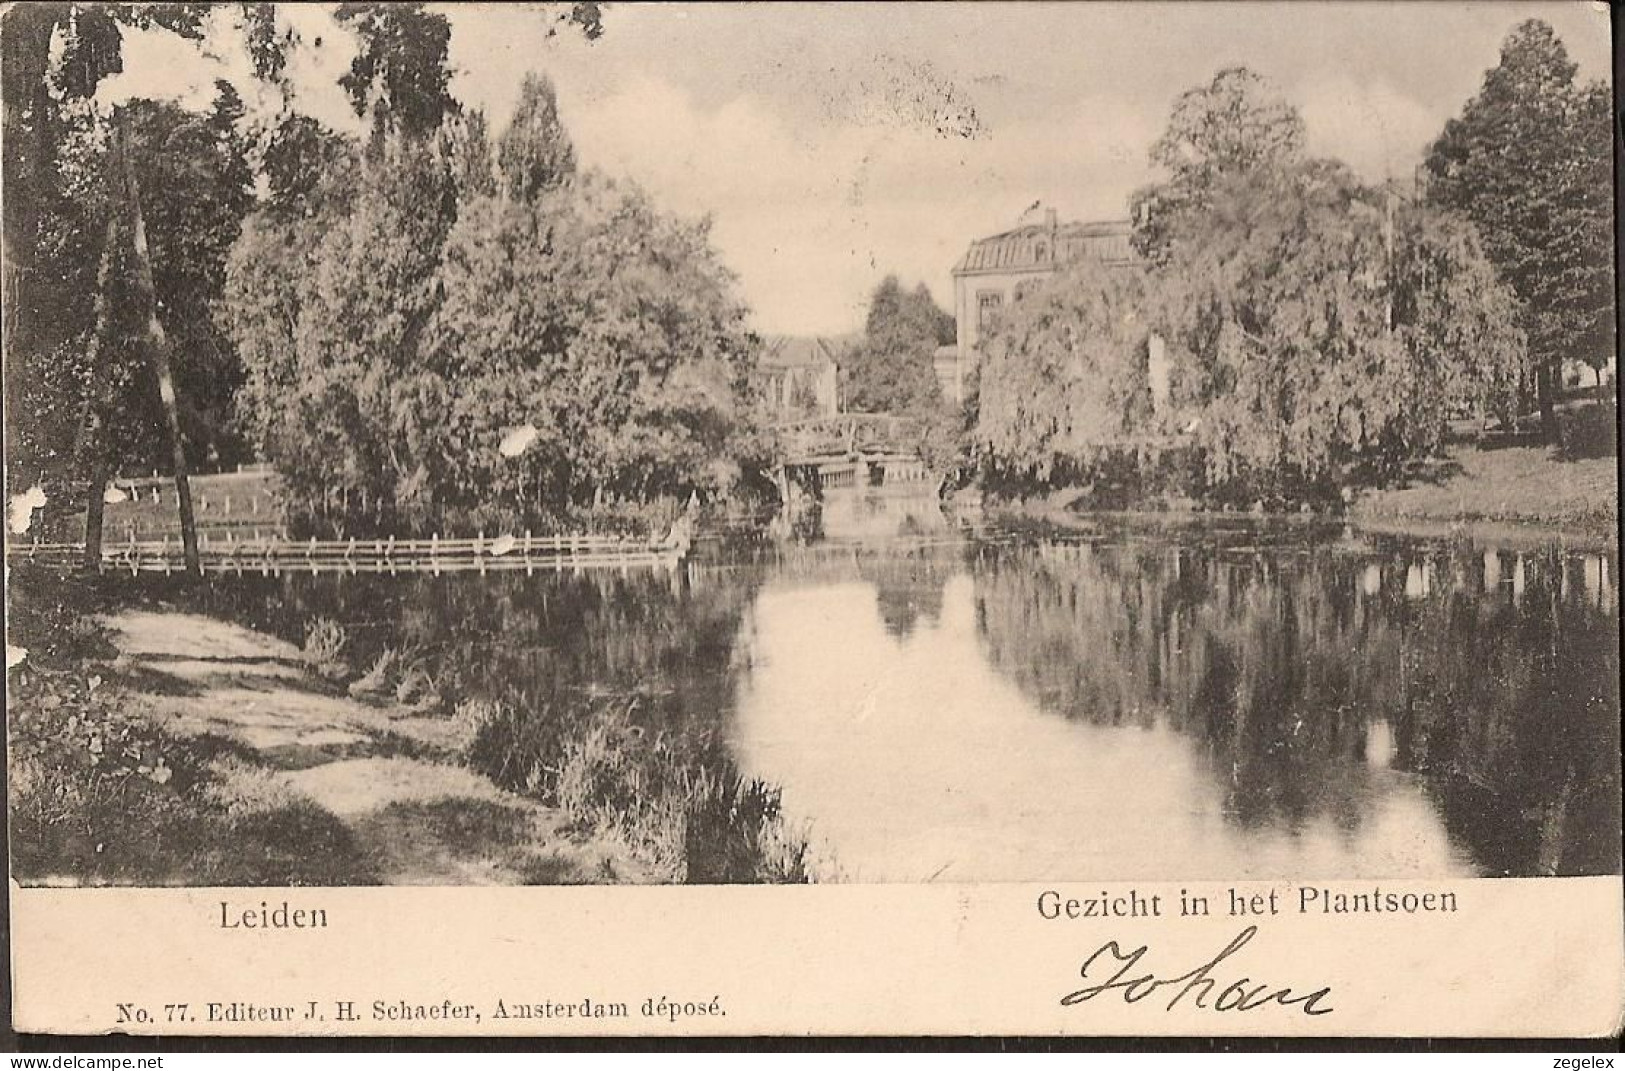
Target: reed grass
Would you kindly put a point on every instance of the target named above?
(685, 810)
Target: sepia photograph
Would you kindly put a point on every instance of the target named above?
(586, 444)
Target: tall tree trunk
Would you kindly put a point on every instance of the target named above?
(1546, 390)
(94, 510)
(91, 429)
(159, 350)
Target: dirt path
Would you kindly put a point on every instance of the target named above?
(391, 777)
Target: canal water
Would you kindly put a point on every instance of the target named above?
(1226, 700)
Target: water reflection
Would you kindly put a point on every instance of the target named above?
(921, 760)
(1196, 705)
(1325, 686)
(881, 513)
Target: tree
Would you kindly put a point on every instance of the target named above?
(395, 339)
(1319, 332)
(400, 79)
(609, 328)
(1528, 161)
(328, 311)
(158, 354)
(535, 154)
(196, 187)
(301, 159)
(468, 143)
(53, 245)
(890, 370)
(133, 224)
(1063, 377)
(1321, 335)
(1234, 126)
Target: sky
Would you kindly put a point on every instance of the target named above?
(833, 144)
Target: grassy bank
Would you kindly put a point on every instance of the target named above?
(152, 745)
(621, 761)
(156, 747)
(1506, 494)
(100, 793)
(1530, 489)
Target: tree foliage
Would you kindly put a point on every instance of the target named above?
(54, 244)
(79, 397)
(535, 154)
(79, 388)
(400, 78)
(890, 370)
(397, 338)
(1318, 332)
(1234, 126)
(327, 311)
(1529, 162)
(300, 159)
(611, 329)
(1063, 374)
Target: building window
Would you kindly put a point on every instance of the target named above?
(987, 307)
(1040, 251)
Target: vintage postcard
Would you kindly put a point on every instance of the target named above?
(812, 518)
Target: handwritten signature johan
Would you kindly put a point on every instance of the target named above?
(1197, 984)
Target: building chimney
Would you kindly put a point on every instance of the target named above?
(1051, 220)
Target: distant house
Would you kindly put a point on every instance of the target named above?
(1579, 375)
(801, 376)
(995, 270)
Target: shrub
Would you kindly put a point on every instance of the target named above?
(51, 615)
(735, 833)
(96, 792)
(1590, 430)
(325, 643)
(680, 806)
(413, 686)
(377, 681)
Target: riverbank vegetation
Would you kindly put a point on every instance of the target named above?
(1521, 485)
(615, 714)
(1291, 334)
(101, 793)
(512, 343)
(167, 746)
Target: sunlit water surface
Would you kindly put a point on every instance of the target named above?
(1199, 702)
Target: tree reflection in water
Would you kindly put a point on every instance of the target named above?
(1200, 704)
(1493, 678)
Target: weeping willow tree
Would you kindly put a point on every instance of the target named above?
(1064, 385)
(1318, 332)
(1322, 333)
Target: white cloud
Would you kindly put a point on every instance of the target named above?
(813, 216)
(1372, 127)
(314, 69)
(161, 65)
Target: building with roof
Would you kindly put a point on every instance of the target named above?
(995, 271)
(801, 376)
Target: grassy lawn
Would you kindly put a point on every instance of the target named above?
(1529, 485)
(239, 504)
